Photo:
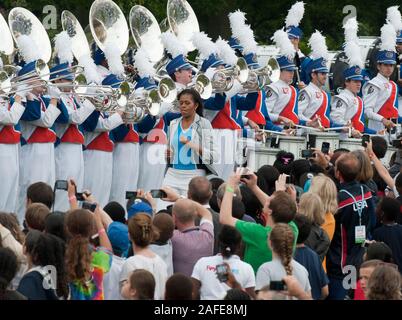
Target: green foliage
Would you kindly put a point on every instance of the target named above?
(265, 16)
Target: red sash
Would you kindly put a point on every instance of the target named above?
(40, 134)
(8, 135)
(73, 135)
(101, 143)
(223, 119)
(356, 120)
(132, 135)
(388, 110)
(256, 114)
(289, 110)
(157, 134)
(321, 112)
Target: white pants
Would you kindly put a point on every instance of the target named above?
(152, 166)
(9, 173)
(37, 165)
(226, 141)
(69, 165)
(179, 179)
(98, 166)
(125, 171)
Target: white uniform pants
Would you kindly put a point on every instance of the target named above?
(9, 173)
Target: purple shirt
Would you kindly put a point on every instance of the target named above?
(191, 245)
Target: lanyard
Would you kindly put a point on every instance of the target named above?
(359, 208)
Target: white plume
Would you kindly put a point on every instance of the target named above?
(143, 64)
(90, 70)
(173, 45)
(28, 49)
(237, 21)
(204, 44)
(394, 18)
(351, 27)
(318, 46)
(388, 38)
(295, 14)
(285, 46)
(63, 47)
(352, 51)
(247, 40)
(113, 58)
(225, 52)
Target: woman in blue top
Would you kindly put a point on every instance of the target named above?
(190, 150)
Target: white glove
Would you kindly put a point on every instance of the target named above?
(53, 92)
(22, 92)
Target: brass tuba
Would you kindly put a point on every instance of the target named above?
(223, 79)
(262, 77)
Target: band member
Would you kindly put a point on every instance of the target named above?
(37, 161)
(314, 101)
(295, 34)
(10, 114)
(380, 93)
(68, 151)
(281, 95)
(98, 151)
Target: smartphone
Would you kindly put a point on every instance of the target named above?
(277, 286)
(61, 185)
(79, 196)
(307, 154)
(393, 130)
(325, 147)
(397, 144)
(222, 272)
(158, 194)
(288, 180)
(131, 194)
(365, 139)
(89, 206)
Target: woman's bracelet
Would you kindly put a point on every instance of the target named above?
(229, 189)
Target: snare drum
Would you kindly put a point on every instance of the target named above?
(351, 144)
(260, 155)
(331, 137)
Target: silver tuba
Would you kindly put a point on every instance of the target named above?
(223, 79)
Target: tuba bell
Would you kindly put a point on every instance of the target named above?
(223, 79)
(262, 77)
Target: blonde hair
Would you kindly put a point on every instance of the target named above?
(366, 169)
(282, 240)
(325, 188)
(311, 206)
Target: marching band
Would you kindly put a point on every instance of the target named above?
(106, 124)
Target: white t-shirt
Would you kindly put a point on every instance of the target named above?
(111, 288)
(211, 288)
(275, 271)
(154, 265)
(166, 253)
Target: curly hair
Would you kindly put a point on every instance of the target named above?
(384, 283)
(141, 230)
(10, 222)
(282, 239)
(79, 226)
(48, 250)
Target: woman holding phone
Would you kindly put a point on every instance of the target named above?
(190, 150)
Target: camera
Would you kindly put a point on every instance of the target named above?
(277, 286)
(131, 194)
(222, 272)
(158, 194)
(307, 154)
(325, 147)
(89, 206)
(61, 185)
(365, 140)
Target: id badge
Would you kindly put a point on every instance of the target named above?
(360, 234)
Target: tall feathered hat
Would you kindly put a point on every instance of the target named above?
(226, 52)
(319, 53)
(208, 51)
(64, 57)
(293, 19)
(29, 52)
(395, 19)
(286, 49)
(352, 51)
(145, 69)
(387, 53)
(177, 51)
(237, 20)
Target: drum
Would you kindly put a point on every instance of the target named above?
(351, 144)
(336, 79)
(290, 144)
(390, 151)
(261, 156)
(316, 139)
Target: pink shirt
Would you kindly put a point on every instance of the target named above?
(191, 245)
